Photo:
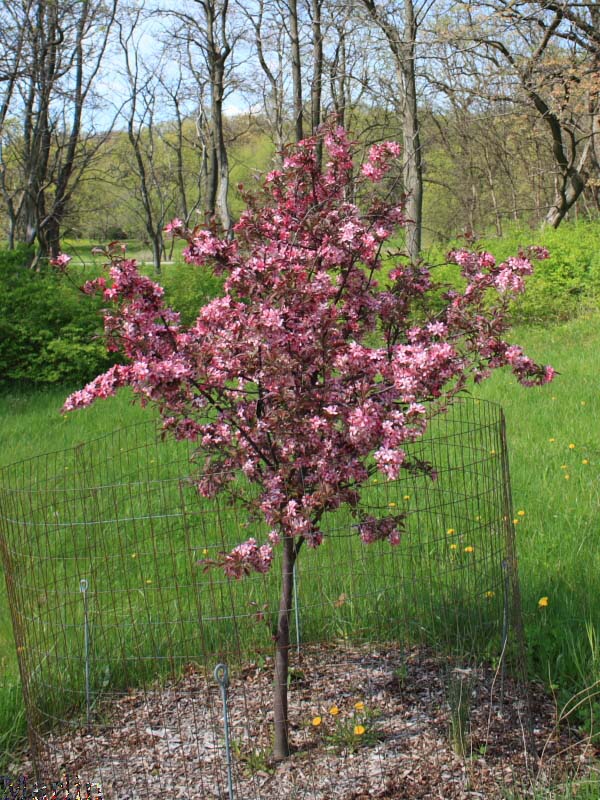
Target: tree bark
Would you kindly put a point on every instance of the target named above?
(316, 86)
(218, 50)
(571, 187)
(412, 164)
(281, 748)
(296, 71)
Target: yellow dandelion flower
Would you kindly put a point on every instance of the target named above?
(543, 602)
(359, 730)
(450, 531)
(205, 552)
(334, 711)
(563, 466)
(453, 547)
(469, 549)
(392, 505)
(316, 721)
(375, 480)
(407, 497)
(571, 446)
(478, 518)
(490, 594)
(583, 402)
(516, 521)
(492, 452)
(585, 461)
(553, 398)
(134, 555)
(567, 477)
(552, 439)
(520, 513)
(360, 706)
(148, 580)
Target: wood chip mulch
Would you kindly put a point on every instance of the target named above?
(167, 741)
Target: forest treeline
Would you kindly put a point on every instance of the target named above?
(115, 117)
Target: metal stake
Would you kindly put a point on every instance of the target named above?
(222, 678)
(83, 587)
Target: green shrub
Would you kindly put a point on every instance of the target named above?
(562, 287)
(49, 330)
(188, 288)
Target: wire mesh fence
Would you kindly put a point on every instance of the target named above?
(119, 628)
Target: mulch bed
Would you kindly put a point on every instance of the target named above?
(167, 741)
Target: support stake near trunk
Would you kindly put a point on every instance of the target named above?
(221, 675)
(83, 588)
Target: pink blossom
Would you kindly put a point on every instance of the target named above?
(175, 226)
(313, 365)
(389, 461)
(61, 260)
(247, 557)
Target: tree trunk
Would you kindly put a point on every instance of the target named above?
(222, 203)
(11, 235)
(157, 250)
(317, 76)
(413, 165)
(568, 194)
(403, 47)
(280, 688)
(296, 70)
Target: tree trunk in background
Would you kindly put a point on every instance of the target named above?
(217, 51)
(222, 202)
(412, 156)
(296, 71)
(571, 187)
(316, 86)
(57, 84)
(402, 44)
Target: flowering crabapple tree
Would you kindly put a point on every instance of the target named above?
(314, 368)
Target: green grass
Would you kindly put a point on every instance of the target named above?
(552, 431)
(143, 574)
(557, 535)
(81, 251)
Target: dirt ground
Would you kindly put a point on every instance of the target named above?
(365, 722)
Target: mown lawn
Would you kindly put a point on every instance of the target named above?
(554, 442)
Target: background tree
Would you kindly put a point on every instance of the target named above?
(551, 52)
(140, 113)
(12, 69)
(402, 41)
(206, 31)
(63, 45)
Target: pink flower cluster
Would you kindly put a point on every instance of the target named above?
(246, 558)
(380, 160)
(61, 261)
(312, 371)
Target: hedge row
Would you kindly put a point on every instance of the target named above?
(50, 332)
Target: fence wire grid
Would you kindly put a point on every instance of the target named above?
(118, 629)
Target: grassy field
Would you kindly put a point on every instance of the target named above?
(554, 454)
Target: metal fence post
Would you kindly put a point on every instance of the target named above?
(221, 674)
